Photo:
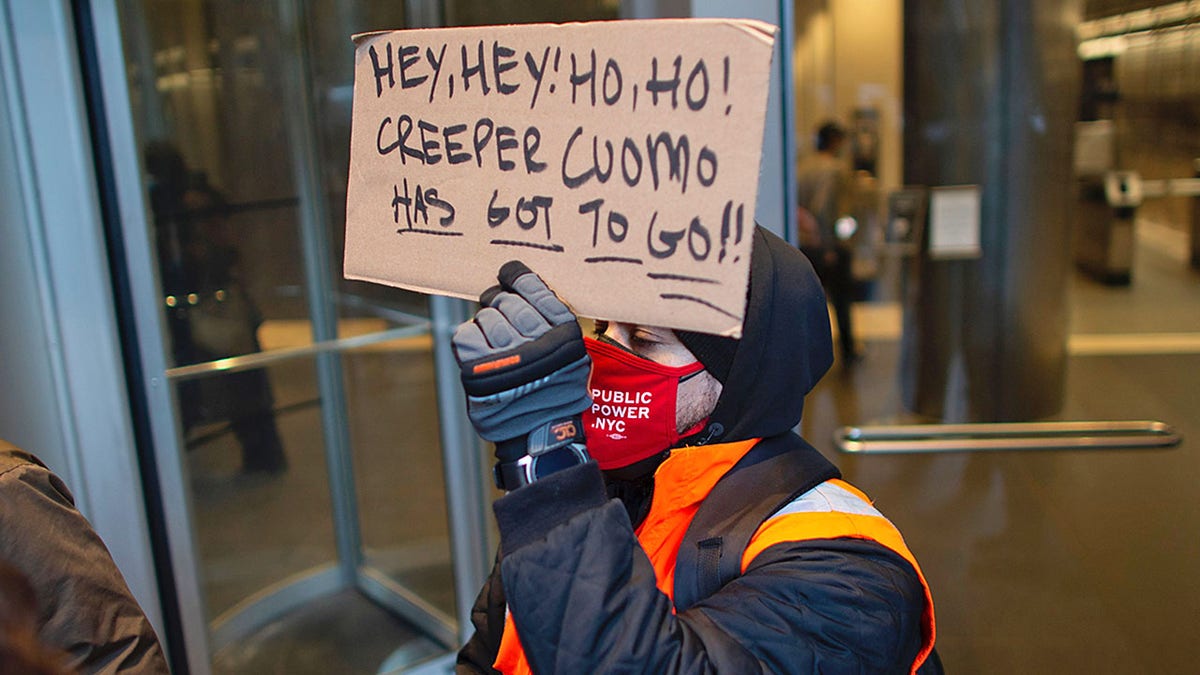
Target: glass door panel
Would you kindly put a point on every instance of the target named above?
(390, 389)
(329, 25)
(260, 490)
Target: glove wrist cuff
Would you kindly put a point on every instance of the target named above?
(553, 446)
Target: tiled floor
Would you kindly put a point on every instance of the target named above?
(1040, 562)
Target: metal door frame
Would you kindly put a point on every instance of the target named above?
(72, 410)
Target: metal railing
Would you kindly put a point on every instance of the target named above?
(234, 364)
(934, 438)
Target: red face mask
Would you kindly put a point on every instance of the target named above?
(633, 405)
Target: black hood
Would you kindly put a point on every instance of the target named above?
(785, 348)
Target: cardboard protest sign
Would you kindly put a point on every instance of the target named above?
(619, 160)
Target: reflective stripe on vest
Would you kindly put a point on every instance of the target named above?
(836, 509)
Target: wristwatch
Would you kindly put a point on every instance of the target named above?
(552, 447)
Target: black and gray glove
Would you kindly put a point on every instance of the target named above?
(525, 371)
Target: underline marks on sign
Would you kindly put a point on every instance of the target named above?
(701, 301)
(613, 259)
(681, 277)
(555, 248)
(417, 230)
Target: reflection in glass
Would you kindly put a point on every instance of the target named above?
(330, 24)
(210, 315)
(398, 466)
(254, 530)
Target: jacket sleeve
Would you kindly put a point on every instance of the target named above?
(584, 599)
(487, 616)
(86, 609)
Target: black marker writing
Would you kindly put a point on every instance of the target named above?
(674, 152)
(409, 55)
(698, 301)
(429, 143)
(530, 144)
(555, 248)
(529, 212)
(505, 140)
(696, 101)
(680, 277)
(537, 72)
(500, 66)
(381, 71)
(578, 78)
(477, 70)
(436, 63)
(727, 228)
(417, 205)
(487, 67)
(657, 86)
(666, 242)
(613, 259)
(618, 224)
(613, 81)
(728, 107)
(678, 156)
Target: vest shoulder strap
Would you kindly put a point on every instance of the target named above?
(772, 474)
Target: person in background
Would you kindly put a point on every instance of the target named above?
(661, 514)
(823, 195)
(210, 314)
(65, 584)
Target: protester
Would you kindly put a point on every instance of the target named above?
(83, 607)
(661, 515)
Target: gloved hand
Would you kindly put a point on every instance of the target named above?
(524, 367)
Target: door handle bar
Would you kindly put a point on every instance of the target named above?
(933, 438)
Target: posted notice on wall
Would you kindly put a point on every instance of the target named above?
(954, 218)
(619, 160)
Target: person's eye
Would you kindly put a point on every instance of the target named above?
(644, 340)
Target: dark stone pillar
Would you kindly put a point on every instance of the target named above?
(990, 99)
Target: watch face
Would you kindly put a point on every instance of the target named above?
(512, 475)
(546, 464)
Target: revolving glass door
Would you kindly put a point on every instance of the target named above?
(298, 419)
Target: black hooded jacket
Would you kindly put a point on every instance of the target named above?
(583, 593)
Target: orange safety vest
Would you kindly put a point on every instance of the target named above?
(682, 482)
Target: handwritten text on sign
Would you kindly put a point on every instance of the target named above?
(619, 160)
